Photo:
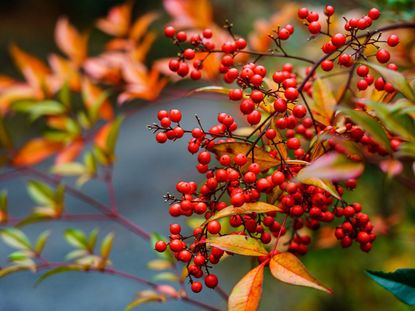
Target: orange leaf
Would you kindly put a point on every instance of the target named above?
(70, 41)
(106, 67)
(64, 71)
(91, 95)
(70, 152)
(17, 92)
(33, 69)
(238, 244)
(245, 295)
(35, 151)
(259, 39)
(287, 268)
(117, 22)
(189, 13)
(141, 24)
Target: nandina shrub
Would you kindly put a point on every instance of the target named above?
(270, 182)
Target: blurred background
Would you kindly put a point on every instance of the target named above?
(145, 171)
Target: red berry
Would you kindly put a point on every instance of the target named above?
(175, 115)
(247, 106)
(338, 39)
(174, 65)
(176, 245)
(207, 33)
(196, 287)
(254, 117)
(291, 93)
(277, 178)
(181, 36)
(169, 31)
(189, 53)
(213, 227)
(314, 27)
(293, 143)
(257, 96)
(329, 10)
(302, 13)
(327, 65)
(235, 94)
(211, 281)
(374, 13)
(299, 111)
(280, 105)
(161, 137)
(393, 40)
(175, 229)
(362, 85)
(204, 157)
(382, 56)
(270, 134)
(362, 70)
(283, 34)
(183, 69)
(160, 246)
(240, 43)
(312, 17)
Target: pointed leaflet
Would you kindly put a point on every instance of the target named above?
(400, 283)
(211, 89)
(238, 244)
(263, 158)
(245, 295)
(324, 102)
(258, 207)
(331, 166)
(117, 22)
(58, 270)
(369, 124)
(70, 41)
(15, 238)
(326, 185)
(35, 151)
(287, 268)
(398, 81)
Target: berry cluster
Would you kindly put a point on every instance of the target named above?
(285, 130)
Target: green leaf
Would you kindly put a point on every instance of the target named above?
(92, 239)
(247, 208)
(106, 245)
(113, 134)
(159, 264)
(145, 299)
(394, 119)
(331, 166)
(326, 185)
(11, 269)
(18, 256)
(64, 95)
(58, 270)
(238, 244)
(407, 149)
(400, 283)
(33, 218)
(41, 193)
(324, 103)
(68, 169)
(38, 109)
(76, 238)
(41, 241)
(15, 238)
(398, 81)
(166, 276)
(369, 124)
(212, 89)
(3, 205)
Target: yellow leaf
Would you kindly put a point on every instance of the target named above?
(238, 244)
(287, 268)
(35, 151)
(324, 103)
(263, 158)
(258, 207)
(245, 295)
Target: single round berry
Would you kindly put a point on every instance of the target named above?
(299, 111)
(374, 13)
(303, 13)
(169, 31)
(175, 229)
(393, 40)
(196, 287)
(204, 157)
(382, 56)
(362, 70)
(329, 10)
(327, 65)
(160, 246)
(213, 227)
(161, 137)
(207, 33)
(211, 281)
(291, 93)
(293, 143)
(314, 27)
(338, 39)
